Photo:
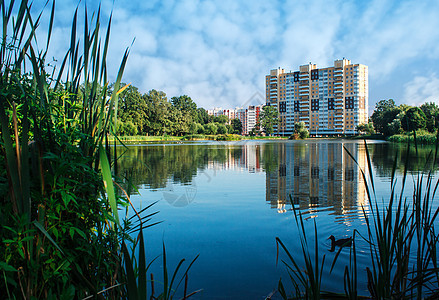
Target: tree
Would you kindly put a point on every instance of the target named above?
(385, 112)
(431, 111)
(210, 128)
(413, 119)
(133, 109)
(300, 129)
(269, 118)
(184, 103)
(222, 129)
(158, 112)
(230, 129)
(366, 128)
(237, 126)
(221, 119)
(203, 117)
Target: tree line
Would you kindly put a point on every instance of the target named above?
(390, 119)
(153, 114)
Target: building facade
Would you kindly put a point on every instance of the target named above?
(330, 101)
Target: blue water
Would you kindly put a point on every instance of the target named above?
(228, 201)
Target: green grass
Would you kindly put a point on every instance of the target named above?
(422, 137)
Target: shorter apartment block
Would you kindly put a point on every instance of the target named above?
(248, 116)
(330, 101)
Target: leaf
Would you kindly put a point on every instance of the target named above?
(108, 182)
(5, 267)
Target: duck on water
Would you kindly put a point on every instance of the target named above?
(347, 242)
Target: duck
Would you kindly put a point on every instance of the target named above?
(347, 242)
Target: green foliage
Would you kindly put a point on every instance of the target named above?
(203, 117)
(431, 111)
(366, 128)
(222, 129)
(385, 112)
(269, 118)
(153, 114)
(414, 119)
(126, 128)
(210, 128)
(300, 131)
(60, 236)
(236, 126)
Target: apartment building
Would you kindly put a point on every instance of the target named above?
(330, 101)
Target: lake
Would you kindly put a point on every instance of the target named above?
(228, 201)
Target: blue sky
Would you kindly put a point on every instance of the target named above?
(218, 52)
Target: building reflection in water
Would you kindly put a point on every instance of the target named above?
(317, 175)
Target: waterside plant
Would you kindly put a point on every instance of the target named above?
(401, 241)
(61, 234)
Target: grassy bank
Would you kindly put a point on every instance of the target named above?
(193, 137)
(422, 137)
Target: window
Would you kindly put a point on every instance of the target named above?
(349, 102)
(330, 103)
(296, 106)
(314, 104)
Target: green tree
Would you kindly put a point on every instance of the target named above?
(203, 117)
(158, 113)
(300, 129)
(222, 129)
(431, 111)
(385, 112)
(237, 126)
(221, 119)
(413, 119)
(269, 118)
(210, 128)
(230, 129)
(366, 128)
(184, 103)
(132, 108)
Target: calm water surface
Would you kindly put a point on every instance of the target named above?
(227, 201)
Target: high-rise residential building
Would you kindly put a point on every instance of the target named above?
(330, 101)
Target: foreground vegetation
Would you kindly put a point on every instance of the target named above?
(402, 243)
(61, 235)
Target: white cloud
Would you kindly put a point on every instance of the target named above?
(422, 89)
(218, 52)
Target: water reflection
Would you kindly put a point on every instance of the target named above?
(316, 174)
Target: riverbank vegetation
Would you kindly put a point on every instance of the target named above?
(397, 123)
(63, 230)
(152, 114)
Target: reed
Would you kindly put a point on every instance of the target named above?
(61, 235)
(401, 238)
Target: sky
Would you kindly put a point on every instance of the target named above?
(218, 52)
